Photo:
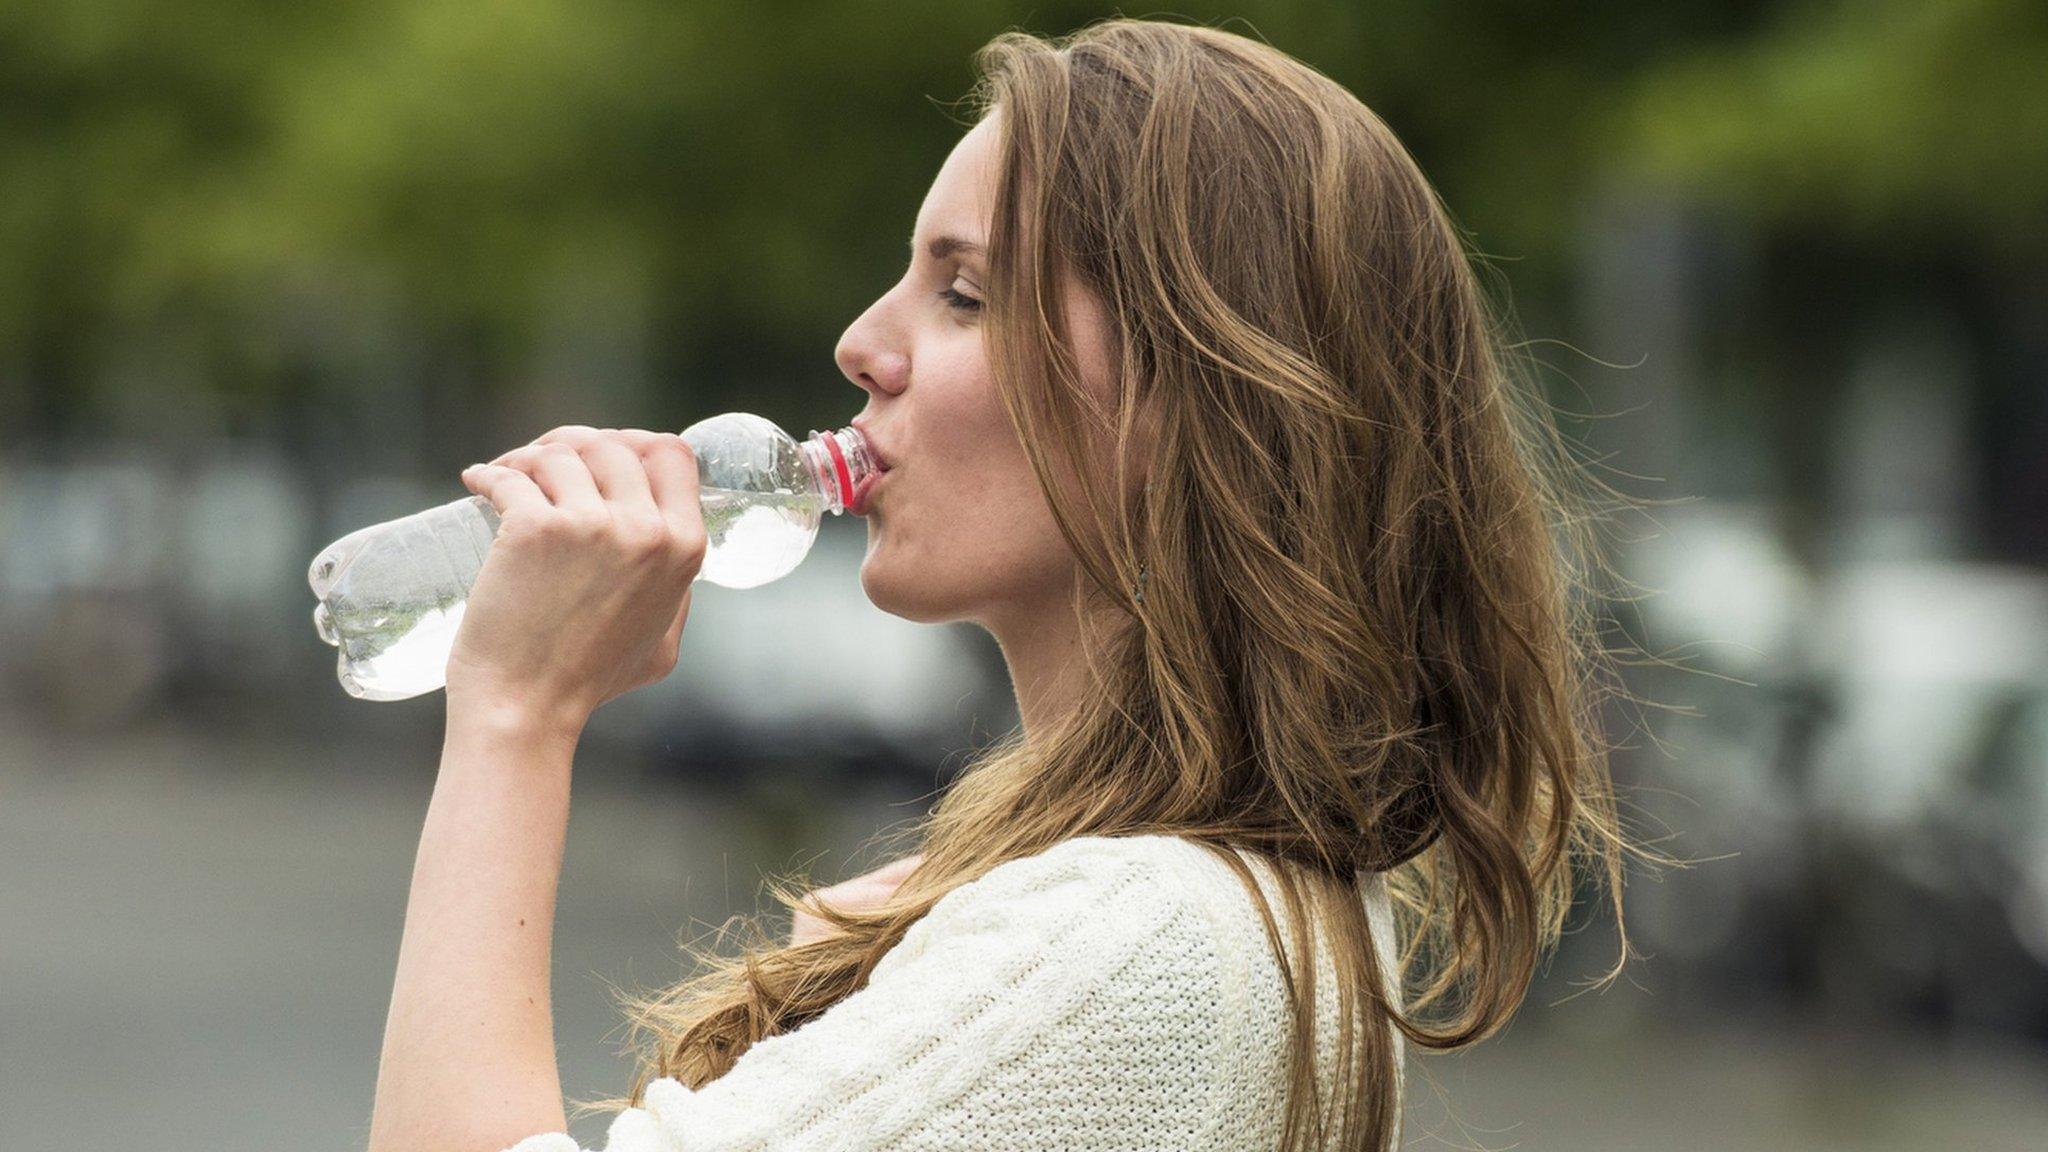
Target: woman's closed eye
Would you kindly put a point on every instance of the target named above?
(956, 299)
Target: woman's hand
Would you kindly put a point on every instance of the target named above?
(856, 895)
(585, 591)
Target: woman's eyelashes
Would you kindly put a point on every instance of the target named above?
(959, 301)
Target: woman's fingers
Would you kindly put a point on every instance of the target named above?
(878, 884)
(559, 471)
(579, 467)
(863, 893)
(614, 465)
(671, 470)
(672, 474)
(508, 489)
(894, 871)
(564, 473)
(609, 469)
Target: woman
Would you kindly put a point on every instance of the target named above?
(1192, 401)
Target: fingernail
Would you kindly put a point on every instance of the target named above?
(471, 468)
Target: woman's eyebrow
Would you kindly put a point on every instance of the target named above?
(944, 246)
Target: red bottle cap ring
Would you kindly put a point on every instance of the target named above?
(839, 466)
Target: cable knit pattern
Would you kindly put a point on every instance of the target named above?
(1111, 993)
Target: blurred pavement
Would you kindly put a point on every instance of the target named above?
(212, 927)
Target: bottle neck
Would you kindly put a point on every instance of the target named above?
(837, 462)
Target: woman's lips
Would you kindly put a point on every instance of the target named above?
(859, 504)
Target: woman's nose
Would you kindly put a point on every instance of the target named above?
(870, 364)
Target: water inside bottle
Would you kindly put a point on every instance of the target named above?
(410, 654)
(755, 537)
(393, 595)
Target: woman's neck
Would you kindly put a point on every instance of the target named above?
(1047, 664)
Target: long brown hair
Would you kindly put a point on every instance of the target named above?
(1354, 630)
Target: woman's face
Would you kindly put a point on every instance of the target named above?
(958, 529)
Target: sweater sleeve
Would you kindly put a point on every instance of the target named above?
(1057, 1001)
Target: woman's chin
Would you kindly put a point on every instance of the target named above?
(874, 577)
(907, 597)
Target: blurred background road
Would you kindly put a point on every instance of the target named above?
(271, 275)
(202, 934)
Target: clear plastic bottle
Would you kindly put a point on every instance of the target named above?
(392, 594)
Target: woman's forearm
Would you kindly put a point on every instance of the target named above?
(468, 1062)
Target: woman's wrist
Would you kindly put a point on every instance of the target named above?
(510, 717)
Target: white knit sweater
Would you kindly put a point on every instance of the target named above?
(1108, 993)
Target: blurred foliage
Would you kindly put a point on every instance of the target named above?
(255, 186)
(1878, 120)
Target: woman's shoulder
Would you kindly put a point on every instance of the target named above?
(1150, 909)
(1175, 883)
(1100, 873)
(1140, 959)
(1076, 891)
(1200, 868)
(1196, 867)
(1197, 875)
(1211, 942)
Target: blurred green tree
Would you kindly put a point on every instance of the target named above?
(746, 176)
